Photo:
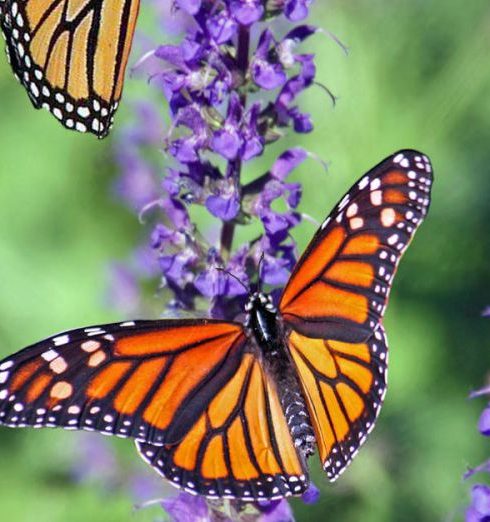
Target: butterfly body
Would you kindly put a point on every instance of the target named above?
(231, 409)
(265, 327)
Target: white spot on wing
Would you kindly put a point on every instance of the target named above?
(49, 355)
(6, 365)
(61, 339)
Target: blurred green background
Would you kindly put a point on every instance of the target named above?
(417, 76)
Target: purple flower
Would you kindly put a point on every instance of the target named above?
(253, 141)
(311, 495)
(479, 510)
(287, 162)
(186, 507)
(144, 486)
(288, 113)
(276, 511)
(267, 72)
(94, 461)
(221, 26)
(124, 291)
(484, 422)
(223, 207)
(172, 21)
(216, 280)
(247, 12)
(297, 10)
(228, 141)
(191, 6)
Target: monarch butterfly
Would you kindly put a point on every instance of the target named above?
(234, 410)
(71, 55)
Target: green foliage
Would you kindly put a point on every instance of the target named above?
(416, 76)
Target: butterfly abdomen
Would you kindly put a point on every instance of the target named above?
(293, 403)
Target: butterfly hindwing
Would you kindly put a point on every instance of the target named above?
(340, 286)
(146, 379)
(240, 447)
(71, 55)
(344, 385)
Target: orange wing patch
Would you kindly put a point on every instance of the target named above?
(175, 339)
(361, 245)
(344, 385)
(323, 299)
(240, 447)
(313, 266)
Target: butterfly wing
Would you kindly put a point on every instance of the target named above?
(340, 286)
(334, 302)
(344, 385)
(145, 379)
(71, 55)
(193, 393)
(240, 447)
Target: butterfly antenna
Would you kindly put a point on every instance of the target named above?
(259, 270)
(221, 269)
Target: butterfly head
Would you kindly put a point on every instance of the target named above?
(258, 301)
(261, 320)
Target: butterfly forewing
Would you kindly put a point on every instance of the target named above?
(71, 55)
(341, 284)
(147, 379)
(193, 393)
(240, 447)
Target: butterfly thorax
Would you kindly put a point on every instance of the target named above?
(264, 326)
(262, 323)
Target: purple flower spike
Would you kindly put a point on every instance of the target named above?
(186, 507)
(479, 511)
(484, 422)
(217, 82)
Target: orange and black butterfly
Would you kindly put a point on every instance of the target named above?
(71, 55)
(233, 410)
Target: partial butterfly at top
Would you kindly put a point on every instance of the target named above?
(71, 55)
(232, 410)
